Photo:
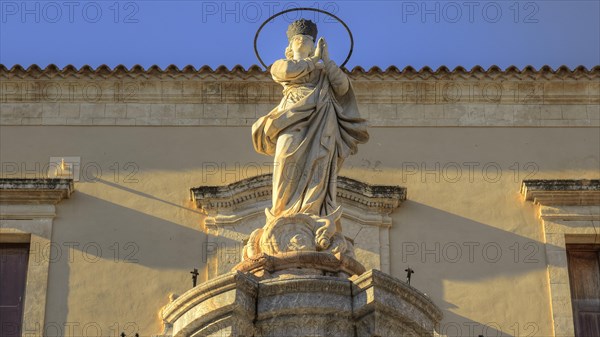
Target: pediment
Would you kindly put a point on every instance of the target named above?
(233, 211)
(254, 194)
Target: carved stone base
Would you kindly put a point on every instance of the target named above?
(304, 306)
(238, 304)
(301, 263)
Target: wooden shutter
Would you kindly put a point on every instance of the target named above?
(13, 273)
(584, 276)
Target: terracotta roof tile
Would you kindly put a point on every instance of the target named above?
(238, 71)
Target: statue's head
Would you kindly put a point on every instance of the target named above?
(301, 36)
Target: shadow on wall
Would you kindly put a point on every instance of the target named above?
(109, 262)
(489, 269)
(148, 196)
(227, 154)
(107, 267)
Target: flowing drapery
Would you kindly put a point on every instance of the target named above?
(314, 128)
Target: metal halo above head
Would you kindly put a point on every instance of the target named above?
(303, 9)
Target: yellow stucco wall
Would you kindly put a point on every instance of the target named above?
(123, 243)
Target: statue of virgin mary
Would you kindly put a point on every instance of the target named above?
(313, 129)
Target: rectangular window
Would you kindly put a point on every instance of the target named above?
(584, 276)
(13, 275)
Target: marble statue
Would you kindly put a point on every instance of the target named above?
(310, 133)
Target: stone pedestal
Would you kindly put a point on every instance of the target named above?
(239, 304)
(224, 306)
(385, 306)
(304, 306)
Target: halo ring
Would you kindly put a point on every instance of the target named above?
(302, 9)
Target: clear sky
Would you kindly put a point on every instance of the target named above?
(213, 33)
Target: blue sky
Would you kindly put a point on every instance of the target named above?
(400, 33)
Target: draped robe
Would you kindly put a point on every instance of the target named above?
(314, 128)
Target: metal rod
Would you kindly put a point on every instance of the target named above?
(409, 273)
(194, 276)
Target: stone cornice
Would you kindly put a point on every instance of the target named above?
(567, 192)
(305, 284)
(241, 194)
(237, 97)
(34, 191)
(238, 72)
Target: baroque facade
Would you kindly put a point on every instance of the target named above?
(116, 183)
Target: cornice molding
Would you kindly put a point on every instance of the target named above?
(255, 72)
(566, 192)
(245, 193)
(35, 191)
